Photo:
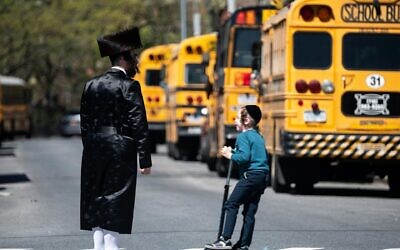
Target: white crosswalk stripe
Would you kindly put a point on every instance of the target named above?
(92, 249)
(16, 248)
(302, 248)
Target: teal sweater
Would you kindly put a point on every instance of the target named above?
(250, 153)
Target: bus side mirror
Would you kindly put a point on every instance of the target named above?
(205, 59)
(209, 89)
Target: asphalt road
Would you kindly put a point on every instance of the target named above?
(177, 207)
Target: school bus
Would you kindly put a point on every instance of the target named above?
(186, 98)
(330, 92)
(209, 60)
(231, 89)
(151, 62)
(15, 112)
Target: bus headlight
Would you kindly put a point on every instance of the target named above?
(328, 87)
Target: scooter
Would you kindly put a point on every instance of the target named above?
(226, 193)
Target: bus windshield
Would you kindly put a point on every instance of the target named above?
(153, 77)
(194, 73)
(371, 51)
(312, 50)
(244, 40)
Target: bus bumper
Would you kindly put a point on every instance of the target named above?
(341, 146)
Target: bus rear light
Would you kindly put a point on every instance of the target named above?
(149, 99)
(300, 102)
(199, 50)
(160, 57)
(189, 100)
(328, 87)
(189, 49)
(324, 13)
(157, 99)
(250, 17)
(151, 57)
(315, 107)
(199, 99)
(307, 13)
(241, 18)
(242, 79)
(301, 86)
(314, 86)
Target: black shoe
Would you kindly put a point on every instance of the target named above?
(221, 243)
(238, 247)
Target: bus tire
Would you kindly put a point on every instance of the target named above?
(211, 164)
(279, 181)
(394, 181)
(221, 167)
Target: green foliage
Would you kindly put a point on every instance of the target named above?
(52, 43)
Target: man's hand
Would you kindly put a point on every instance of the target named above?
(145, 171)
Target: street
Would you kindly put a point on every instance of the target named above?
(178, 205)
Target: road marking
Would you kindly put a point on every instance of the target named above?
(92, 249)
(16, 248)
(391, 249)
(302, 248)
(4, 194)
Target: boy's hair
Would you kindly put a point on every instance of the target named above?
(245, 114)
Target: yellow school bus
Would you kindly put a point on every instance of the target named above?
(209, 60)
(237, 37)
(15, 111)
(151, 63)
(186, 98)
(330, 92)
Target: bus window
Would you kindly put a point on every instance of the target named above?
(371, 51)
(153, 77)
(244, 40)
(194, 73)
(312, 50)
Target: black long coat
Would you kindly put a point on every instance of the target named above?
(114, 131)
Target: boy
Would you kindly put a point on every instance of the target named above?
(252, 158)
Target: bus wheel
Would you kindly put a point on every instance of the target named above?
(394, 181)
(278, 179)
(221, 167)
(211, 164)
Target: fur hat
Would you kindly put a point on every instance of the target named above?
(119, 42)
(255, 112)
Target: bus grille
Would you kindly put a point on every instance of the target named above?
(342, 146)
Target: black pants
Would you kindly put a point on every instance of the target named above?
(247, 192)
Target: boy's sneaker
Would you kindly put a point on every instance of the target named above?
(221, 243)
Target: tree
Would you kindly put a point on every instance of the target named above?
(52, 44)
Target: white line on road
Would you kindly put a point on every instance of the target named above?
(302, 248)
(4, 194)
(92, 249)
(16, 248)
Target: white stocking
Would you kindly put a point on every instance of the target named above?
(98, 238)
(110, 240)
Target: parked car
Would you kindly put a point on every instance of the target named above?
(70, 124)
